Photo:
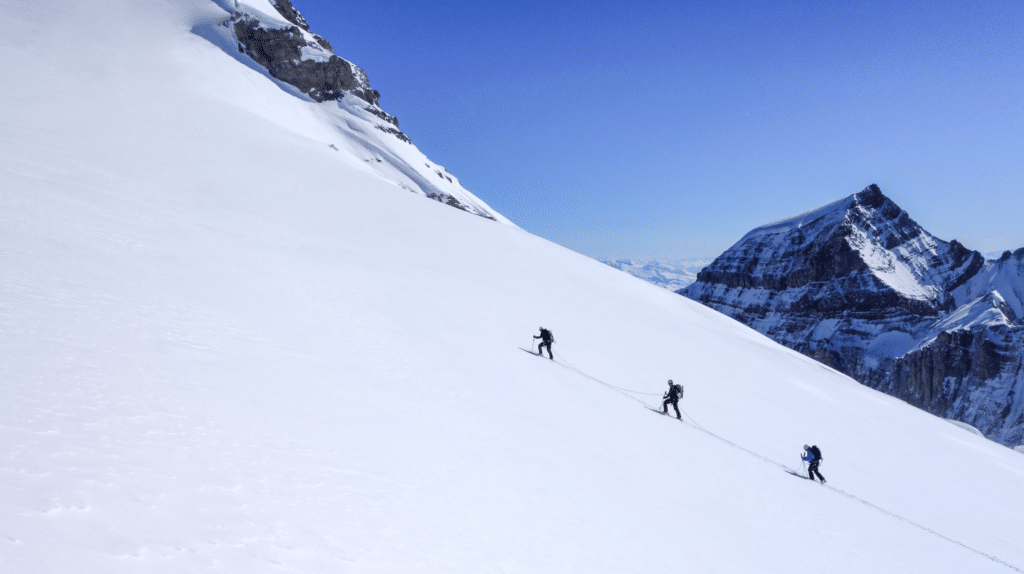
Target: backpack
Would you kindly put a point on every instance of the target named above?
(816, 452)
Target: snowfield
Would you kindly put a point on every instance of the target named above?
(227, 346)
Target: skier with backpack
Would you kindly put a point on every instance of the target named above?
(546, 340)
(675, 392)
(812, 456)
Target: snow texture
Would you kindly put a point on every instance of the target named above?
(233, 341)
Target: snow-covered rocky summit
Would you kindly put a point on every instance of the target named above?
(272, 37)
(860, 286)
(293, 54)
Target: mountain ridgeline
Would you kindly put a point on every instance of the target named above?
(272, 37)
(861, 287)
(669, 274)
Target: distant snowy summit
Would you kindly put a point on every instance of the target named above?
(860, 286)
(670, 274)
(272, 37)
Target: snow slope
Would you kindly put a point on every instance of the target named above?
(226, 346)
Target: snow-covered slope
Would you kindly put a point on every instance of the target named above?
(858, 285)
(666, 273)
(272, 38)
(226, 346)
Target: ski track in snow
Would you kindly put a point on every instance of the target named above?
(226, 346)
(692, 423)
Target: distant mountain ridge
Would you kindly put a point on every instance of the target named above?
(672, 274)
(860, 286)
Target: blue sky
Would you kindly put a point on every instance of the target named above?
(648, 129)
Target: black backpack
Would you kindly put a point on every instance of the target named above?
(816, 452)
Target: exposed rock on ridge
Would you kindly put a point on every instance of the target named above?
(318, 72)
(290, 13)
(861, 287)
(272, 37)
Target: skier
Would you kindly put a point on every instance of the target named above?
(675, 392)
(546, 340)
(812, 456)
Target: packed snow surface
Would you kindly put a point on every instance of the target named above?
(227, 346)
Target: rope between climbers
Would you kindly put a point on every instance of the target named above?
(566, 363)
(694, 424)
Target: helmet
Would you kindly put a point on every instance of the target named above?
(670, 381)
(807, 447)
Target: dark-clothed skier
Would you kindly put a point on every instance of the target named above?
(812, 456)
(675, 392)
(546, 340)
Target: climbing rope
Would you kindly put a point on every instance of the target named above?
(566, 363)
(691, 422)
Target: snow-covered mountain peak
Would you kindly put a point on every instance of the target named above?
(1004, 276)
(862, 287)
(866, 242)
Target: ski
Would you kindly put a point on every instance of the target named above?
(663, 414)
(535, 354)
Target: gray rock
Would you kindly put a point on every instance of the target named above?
(292, 54)
(859, 286)
(290, 13)
(280, 52)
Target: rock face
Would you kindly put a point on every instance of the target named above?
(280, 52)
(861, 287)
(272, 37)
(294, 55)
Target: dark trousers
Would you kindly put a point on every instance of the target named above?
(813, 470)
(675, 405)
(540, 349)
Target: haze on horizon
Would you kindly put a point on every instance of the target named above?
(671, 129)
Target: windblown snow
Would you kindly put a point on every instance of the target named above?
(232, 340)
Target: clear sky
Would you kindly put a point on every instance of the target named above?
(647, 129)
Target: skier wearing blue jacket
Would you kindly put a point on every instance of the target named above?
(812, 456)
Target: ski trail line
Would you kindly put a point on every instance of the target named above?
(694, 424)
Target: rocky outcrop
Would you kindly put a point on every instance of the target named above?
(861, 287)
(280, 50)
(272, 37)
(290, 13)
(969, 375)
